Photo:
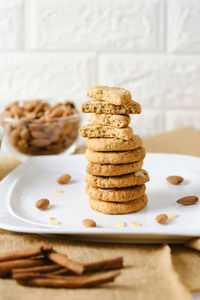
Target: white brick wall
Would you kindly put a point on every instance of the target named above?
(11, 24)
(101, 25)
(26, 75)
(59, 47)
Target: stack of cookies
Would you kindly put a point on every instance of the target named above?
(115, 178)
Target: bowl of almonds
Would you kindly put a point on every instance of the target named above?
(41, 127)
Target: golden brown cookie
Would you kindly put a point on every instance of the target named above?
(112, 144)
(113, 95)
(137, 178)
(113, 170)
(99, 131)
(116, 195)
(117, 121)
(115, 158)
(102, 107)
(112, 208)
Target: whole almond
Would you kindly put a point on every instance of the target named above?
(189, 200)
(14, 137)
(161, 219)
(24, 134)
(22, 144)
(175, 179)
(89, 223)
(42, 204)
(63, 179)
(40, 142)
(38, 134)
(57, 112)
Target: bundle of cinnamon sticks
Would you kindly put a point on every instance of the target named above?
(41, 266)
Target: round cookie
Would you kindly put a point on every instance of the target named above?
(116, 195)
(110, 182)
(112, 208)
(115, 158)
(106, 144)
(113, 170)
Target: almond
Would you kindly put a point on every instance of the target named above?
(161, 219)
(57, 112)
(63, 179)
(89, 223)
(42, 204)
(175, 179)
(189, 200)
(39, 134)
(40, 142)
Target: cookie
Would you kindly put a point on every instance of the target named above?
(112, 144)
(117, 121)
(114, 95)
(99, 131)
(112, 208)
(102, 107)
(116, 195)
(115, 158)
(113, 170)
(137, 178)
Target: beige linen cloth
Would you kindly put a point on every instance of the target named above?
(151, 271)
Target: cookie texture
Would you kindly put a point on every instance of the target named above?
(116, 195)
(113, 170)
(113, 144)
(137, 178)
(99, 131)
(117, 121)
(102, 107)
(115, 158)
(113, 95)
(112, 208)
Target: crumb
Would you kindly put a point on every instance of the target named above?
(120, 224)
(172, 216)
(53, 221)
(57, 191)
(135, 224)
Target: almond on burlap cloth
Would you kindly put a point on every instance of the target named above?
(151, 271)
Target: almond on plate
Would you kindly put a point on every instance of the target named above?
(161, 219)
(175, 179)
(63, 179)
(89, 223)
(42, 204)
(189, 200)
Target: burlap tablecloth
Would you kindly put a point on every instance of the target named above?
(151, 271)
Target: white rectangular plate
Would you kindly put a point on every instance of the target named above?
(37, 178)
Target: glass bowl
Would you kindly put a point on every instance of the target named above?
(44, 135)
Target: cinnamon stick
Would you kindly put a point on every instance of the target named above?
(28, 275)
(106, 264)
(60, 272)
(71, 281)
(64, 261)
(7, 266)
(41, 269)
(30, 252)
(102, 265)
